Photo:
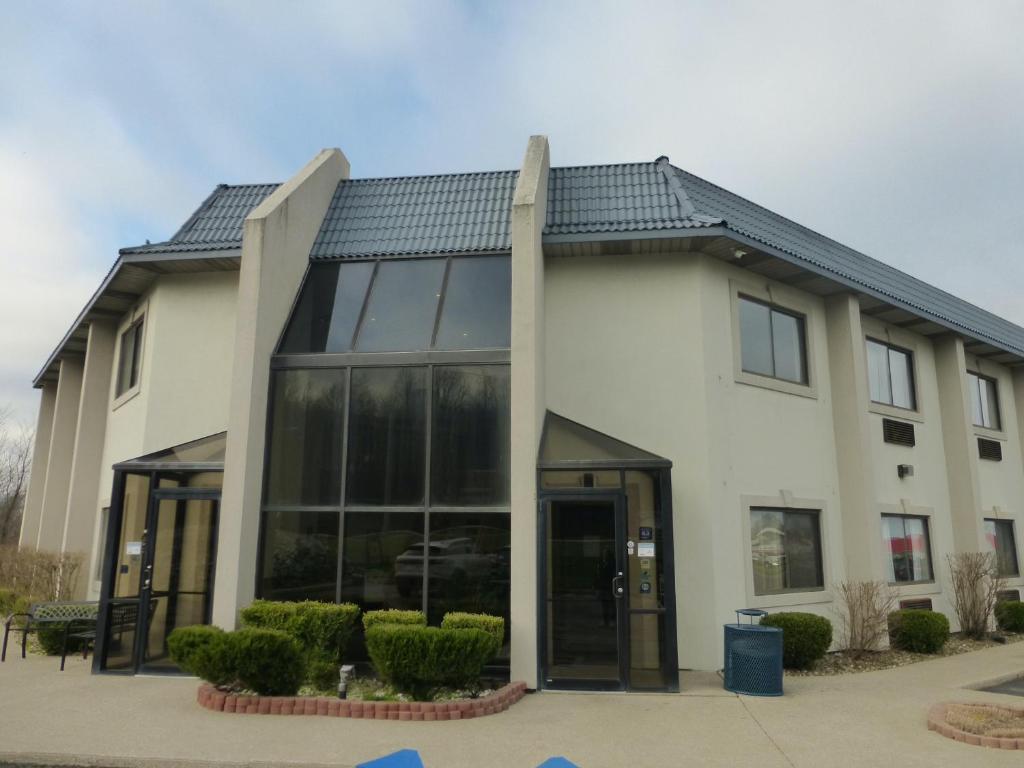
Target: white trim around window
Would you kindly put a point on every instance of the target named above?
(786, 501)
(137, 316)
(787, 302)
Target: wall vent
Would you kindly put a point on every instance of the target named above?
(898, 432)
(990, 449)
(916, 604)
(1008, 595)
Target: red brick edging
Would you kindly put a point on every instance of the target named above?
(464, 709)
(937, 722)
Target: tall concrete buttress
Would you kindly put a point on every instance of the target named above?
(276, 239)
(61, 454)
(529, 211)
(33, 510)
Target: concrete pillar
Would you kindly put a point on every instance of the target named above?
(86, 470)
(959, 441)
(529, 211)
(37, 474)
(276, 240)
(61, 455)
(848, 372)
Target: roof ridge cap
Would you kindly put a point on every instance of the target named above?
(686, 205)
(430, 176)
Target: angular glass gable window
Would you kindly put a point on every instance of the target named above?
(890, 375)
(476, 312)
(398, 305)
(328, 309)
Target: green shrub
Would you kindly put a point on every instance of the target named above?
(918, 631)
(805, 637)
(322, 631)
(394, 616)
(417, 659)
(494, 625)
(1010, 615)
(267, 661)
(185, 643)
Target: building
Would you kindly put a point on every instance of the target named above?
(613, 403)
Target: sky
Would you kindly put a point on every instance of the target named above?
(895, 128)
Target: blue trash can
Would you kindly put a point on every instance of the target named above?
(753, 656)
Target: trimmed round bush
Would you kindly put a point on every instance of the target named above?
(394, 616)
(417, 659)
(806, 637)
(322, 630)
(267, 661)
(185, 644)
(1010, 615)
(918, 631)
(494, 625)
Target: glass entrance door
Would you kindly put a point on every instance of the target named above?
(585, 593)
(177, 583)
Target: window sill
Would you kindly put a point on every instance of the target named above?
(895, 412)
(916, 588)
(778, 385)
(786, 599)
(125, 396)
(991, 434)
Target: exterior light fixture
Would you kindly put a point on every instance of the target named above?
(905, 470)
(343, 673)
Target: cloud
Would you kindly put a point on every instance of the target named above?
(891, 127)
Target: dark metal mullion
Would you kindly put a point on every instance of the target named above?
(429, 429)
(771, 339)
(344, 481)
(440, 301)
(115, 521)
(366, 303)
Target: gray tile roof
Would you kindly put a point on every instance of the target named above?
(470, 212)
(418, 215)
(850, 266)
(216, 224)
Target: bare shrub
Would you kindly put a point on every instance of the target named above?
(15, 459)
(44, 576)
(976, 585)
(863, 608)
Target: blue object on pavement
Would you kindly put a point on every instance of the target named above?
(403, 758)
(557, 762)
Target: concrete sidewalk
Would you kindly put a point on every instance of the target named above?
(870, 719)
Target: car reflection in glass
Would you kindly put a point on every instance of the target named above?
(457, 561)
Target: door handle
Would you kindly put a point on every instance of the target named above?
(618, 586)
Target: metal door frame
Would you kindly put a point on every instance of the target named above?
(617, 500)
(157, 495)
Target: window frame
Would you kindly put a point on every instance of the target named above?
(997, 429)
(135, 321)
(911, 373)
(785, 301)
(904, 516)
(787, 595)
(1013, 537)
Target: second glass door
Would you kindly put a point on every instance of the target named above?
(177, 578)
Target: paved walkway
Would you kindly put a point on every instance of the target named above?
(869, 719)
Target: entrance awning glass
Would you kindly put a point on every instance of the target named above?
(568, 444)
(205, 454)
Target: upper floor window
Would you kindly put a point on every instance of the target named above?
(999, 534)
(772, 341)
(129, 358)
(890, 375)
(403, 305)
(984, 400)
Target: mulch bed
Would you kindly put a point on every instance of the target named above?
(985, 725)
(844, 662)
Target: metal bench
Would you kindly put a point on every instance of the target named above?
(70, 615)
